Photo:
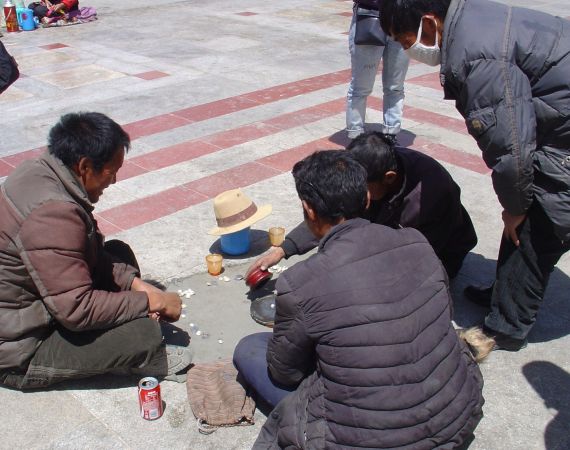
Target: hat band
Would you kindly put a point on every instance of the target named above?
(237, 218)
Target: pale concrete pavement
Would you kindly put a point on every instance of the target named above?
(231, 93)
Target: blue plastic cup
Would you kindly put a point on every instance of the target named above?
(236, 243)
(26, 19)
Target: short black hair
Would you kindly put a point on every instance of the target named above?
(375, 154)
(87, 134)
(402, 16)
(333, 184)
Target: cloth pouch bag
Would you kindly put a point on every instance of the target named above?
(218, 397)
(367, 28)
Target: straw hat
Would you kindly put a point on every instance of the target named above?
(235, 211)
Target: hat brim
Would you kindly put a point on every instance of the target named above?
(261, 213)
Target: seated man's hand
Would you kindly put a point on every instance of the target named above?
(272, 257)
(167, 304)
(161, 305)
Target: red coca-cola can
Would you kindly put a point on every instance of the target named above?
(149, 398)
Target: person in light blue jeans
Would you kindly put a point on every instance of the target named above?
(364, 64)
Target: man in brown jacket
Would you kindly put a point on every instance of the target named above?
(72, 306)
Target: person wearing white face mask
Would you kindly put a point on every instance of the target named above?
(427, 54)
(507, 70)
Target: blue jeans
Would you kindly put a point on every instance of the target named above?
(364, 60)
(250, 360)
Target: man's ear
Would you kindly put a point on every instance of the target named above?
(389, 177)
(311, 214)
(367, 199)
(83, 166)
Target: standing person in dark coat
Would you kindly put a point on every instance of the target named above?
(8, 69)
(407, 189)
(507, 69)
(361, 357)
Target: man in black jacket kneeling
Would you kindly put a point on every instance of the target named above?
(363, 352)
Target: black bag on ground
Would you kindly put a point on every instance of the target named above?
(367, 29)
(8, 69)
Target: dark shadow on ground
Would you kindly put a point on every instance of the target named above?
(552, 383)
(259, 244)
(174, 335)
(405, 138)
(264, 290)
(553, 320)
(340, 138)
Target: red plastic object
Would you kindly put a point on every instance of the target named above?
(258, 278)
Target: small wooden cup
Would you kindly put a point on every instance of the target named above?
(214, 262)
(276, 236)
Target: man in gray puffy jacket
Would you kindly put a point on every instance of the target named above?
(507, 69)
(361, 356)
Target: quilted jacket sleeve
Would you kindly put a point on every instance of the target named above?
(290, 353)
(54, 246)
(496, 101)
(299, 241)
(8, 69)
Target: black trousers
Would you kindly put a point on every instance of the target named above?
(65, 354)
(523, 273)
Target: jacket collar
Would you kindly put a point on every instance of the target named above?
(450, 22)
(338, 230)
(69, 180)
(397, 198)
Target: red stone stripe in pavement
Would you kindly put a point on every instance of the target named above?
(430, 80)
(229, 105)
(5, 168)
(167, 202)
(175, 119)
(451, 156)
(186, 151)
(239, 176)
(17, 158)
(243, 134)
(141, 211)
(285, 160)
(169, 156)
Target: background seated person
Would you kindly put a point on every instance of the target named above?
(361, 357)
(53, 8)
(70, 305)
(407, 189)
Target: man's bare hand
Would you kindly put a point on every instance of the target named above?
(161, 305)
(167, 304)
(272, 257)
(511, 224)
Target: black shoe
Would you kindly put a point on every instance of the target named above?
(479, 295)
(390, 139)
(504, 342)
